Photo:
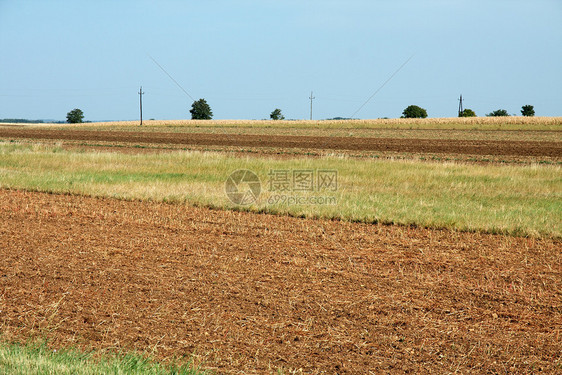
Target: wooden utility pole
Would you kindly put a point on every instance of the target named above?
(140, 96)
(311, 99)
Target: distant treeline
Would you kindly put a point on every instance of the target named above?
(26, 121)
(21, 121)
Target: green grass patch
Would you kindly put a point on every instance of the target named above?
(507, 199)
(38, 359)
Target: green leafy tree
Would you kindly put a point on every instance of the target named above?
(277, 115)
(413, 111)
(76, 116)
(467, 112)
(497, 113)
(200, 110)
(528, 110)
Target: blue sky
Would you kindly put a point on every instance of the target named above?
(249, 57)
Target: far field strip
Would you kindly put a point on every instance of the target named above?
(454, 123)
(273, 129)
(521, 200)
(551, 149)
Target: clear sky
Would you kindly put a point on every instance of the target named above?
(248, 57)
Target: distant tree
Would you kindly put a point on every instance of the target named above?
(76, 116)
(497, 113)
(528, 110)
(413, 111)
(276, 115)
(467, 112)
(200, 110)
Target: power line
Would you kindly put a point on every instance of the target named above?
(380, 88)
(172, 78)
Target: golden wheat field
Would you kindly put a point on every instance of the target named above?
(506, 123)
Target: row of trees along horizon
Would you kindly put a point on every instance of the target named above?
(201, 110)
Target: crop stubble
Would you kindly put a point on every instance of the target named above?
(254, 293)
(552, 149)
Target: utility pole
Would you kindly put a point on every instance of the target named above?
(140, 96)
(460, 106)
(311, 99)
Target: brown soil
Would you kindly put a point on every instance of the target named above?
(279, 153)
(445, 146)
(254, 293)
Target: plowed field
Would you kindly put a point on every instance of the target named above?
(255, 293)
(440, 146)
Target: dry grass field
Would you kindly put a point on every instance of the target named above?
(447, 144)
(115, 238)
(464, 123)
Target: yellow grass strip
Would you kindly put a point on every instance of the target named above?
(521, 200)
(475, 123)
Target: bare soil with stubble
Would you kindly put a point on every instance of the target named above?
(551, 149)
(251, 293)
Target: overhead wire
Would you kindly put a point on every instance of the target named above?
(380, 88)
